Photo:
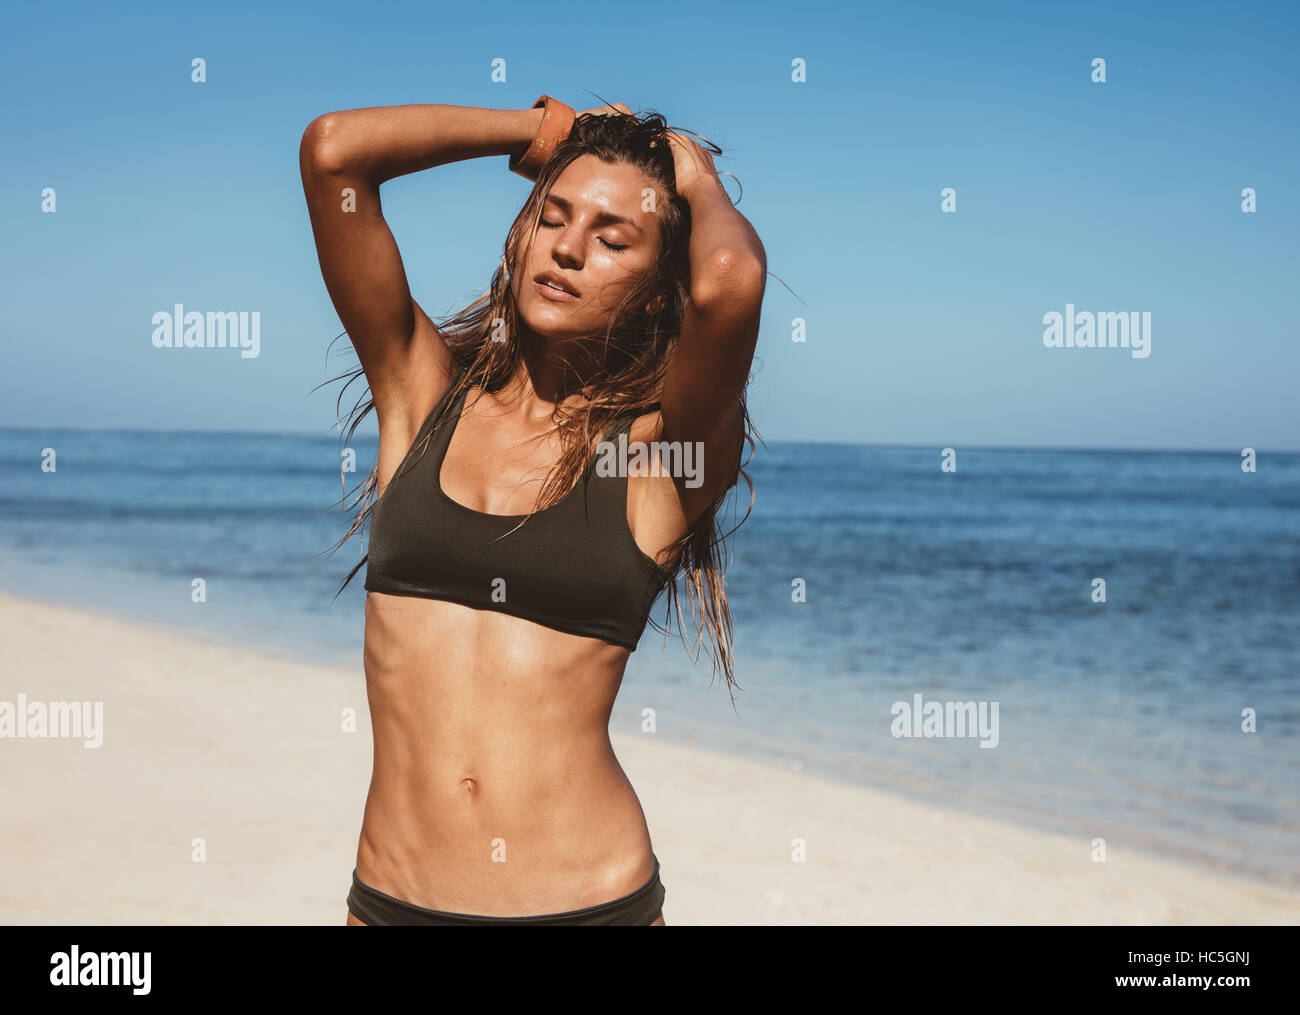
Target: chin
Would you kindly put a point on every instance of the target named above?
(544, 321)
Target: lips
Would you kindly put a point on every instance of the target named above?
(554, 280)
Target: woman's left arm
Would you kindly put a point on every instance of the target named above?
(710, 366)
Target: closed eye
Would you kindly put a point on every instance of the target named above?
(611, 246)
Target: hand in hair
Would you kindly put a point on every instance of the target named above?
(606, 110)
(693, 165)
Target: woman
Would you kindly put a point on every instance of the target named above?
(509, 576)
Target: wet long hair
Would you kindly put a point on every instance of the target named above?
(631, 361)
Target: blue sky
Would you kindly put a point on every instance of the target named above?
(922, 327)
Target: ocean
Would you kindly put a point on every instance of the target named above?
(866, 579)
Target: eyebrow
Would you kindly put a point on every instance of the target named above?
(602, 217)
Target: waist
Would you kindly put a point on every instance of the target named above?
(521, 835)
(494, 782)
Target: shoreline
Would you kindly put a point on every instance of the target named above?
(239, 752)
(929, 793)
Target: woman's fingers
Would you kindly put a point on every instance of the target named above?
(691, 161)
(617, 107)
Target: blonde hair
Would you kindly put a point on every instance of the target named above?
(634, 354)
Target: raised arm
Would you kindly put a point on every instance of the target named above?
(344, 157)
(710, 365)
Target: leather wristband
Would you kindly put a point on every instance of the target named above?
(557, 121)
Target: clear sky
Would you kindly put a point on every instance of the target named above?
(922, 327)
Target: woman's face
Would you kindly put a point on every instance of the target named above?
(594, 239)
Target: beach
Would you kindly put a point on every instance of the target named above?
(239, 758)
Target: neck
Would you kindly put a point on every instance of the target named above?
(550, 372)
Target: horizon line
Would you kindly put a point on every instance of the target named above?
(833, 443)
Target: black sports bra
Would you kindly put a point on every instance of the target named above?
(574, 567)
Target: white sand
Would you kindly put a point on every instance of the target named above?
(246, 752)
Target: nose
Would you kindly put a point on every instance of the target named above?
(567, 248)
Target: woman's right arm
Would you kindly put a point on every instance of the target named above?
(406, 363)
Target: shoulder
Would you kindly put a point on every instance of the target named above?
(686, 476)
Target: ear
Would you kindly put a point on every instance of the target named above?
(655, 305)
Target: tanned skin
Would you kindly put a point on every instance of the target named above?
(487, 726)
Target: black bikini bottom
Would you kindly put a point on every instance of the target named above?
(375, 909)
